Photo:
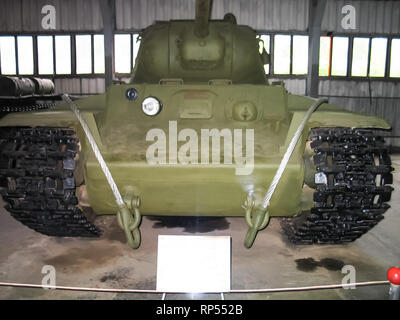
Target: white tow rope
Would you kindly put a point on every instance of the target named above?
(95, 149)
(289, 151)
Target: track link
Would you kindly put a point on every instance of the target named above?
(28, 103)
(37, 180)
(353, 170)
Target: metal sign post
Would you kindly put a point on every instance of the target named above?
(393, 275)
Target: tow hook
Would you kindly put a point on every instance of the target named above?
(257, 217)
(129, 219)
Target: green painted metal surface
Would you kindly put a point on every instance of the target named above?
(204, 80)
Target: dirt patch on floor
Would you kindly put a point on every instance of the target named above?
(89, 257)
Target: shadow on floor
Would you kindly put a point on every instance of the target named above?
(191, 224)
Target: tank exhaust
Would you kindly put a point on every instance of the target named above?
(202, 16)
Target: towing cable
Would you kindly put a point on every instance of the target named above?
(257, 216)
(128, 215)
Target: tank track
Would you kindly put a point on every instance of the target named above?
(37, 180)
(353, 170)
(28, 103)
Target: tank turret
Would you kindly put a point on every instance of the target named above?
(199, 50)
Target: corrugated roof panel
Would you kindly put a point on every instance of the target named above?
(354, 96)
(80, 85)
(267, 15)
(71, 86)
(294, 86)
(10, 15)
(274, 15)
(72, 15)
(31, 15)
(371, 17)
(359, 88)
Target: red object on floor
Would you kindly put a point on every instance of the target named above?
(393, 275)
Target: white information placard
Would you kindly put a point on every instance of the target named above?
(194, 263)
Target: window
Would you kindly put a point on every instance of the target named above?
(122, 51)
(83, 54)
(394, 58)
(300, 55)
(136, 45)
(340, 47)
(7, 55)
(98, 44)
(63, 54)
(378, 57)
(359, 66)
(282, 54)
(369, 56)
(45, 54)
(324, 56)
(266, 39)
(25, 55)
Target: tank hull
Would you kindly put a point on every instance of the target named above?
(120, 128)
(194, 191)
(210, 188)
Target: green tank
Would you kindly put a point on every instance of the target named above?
(198, 131)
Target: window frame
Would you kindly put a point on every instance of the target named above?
(54, 54)
(93, 54)
(131, 49)
(271, 35)
(15, 55)
(352, 55)
(124, 74)
(290, 56)
(73, 74)
(85, 75)
(331, 56)
(35, 49)
(348, 75)
(389, 50)
(18, 71)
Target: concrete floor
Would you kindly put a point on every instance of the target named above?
(272, 262)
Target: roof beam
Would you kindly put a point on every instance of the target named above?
(108, 14)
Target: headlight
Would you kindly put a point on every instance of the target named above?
(151, 106)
